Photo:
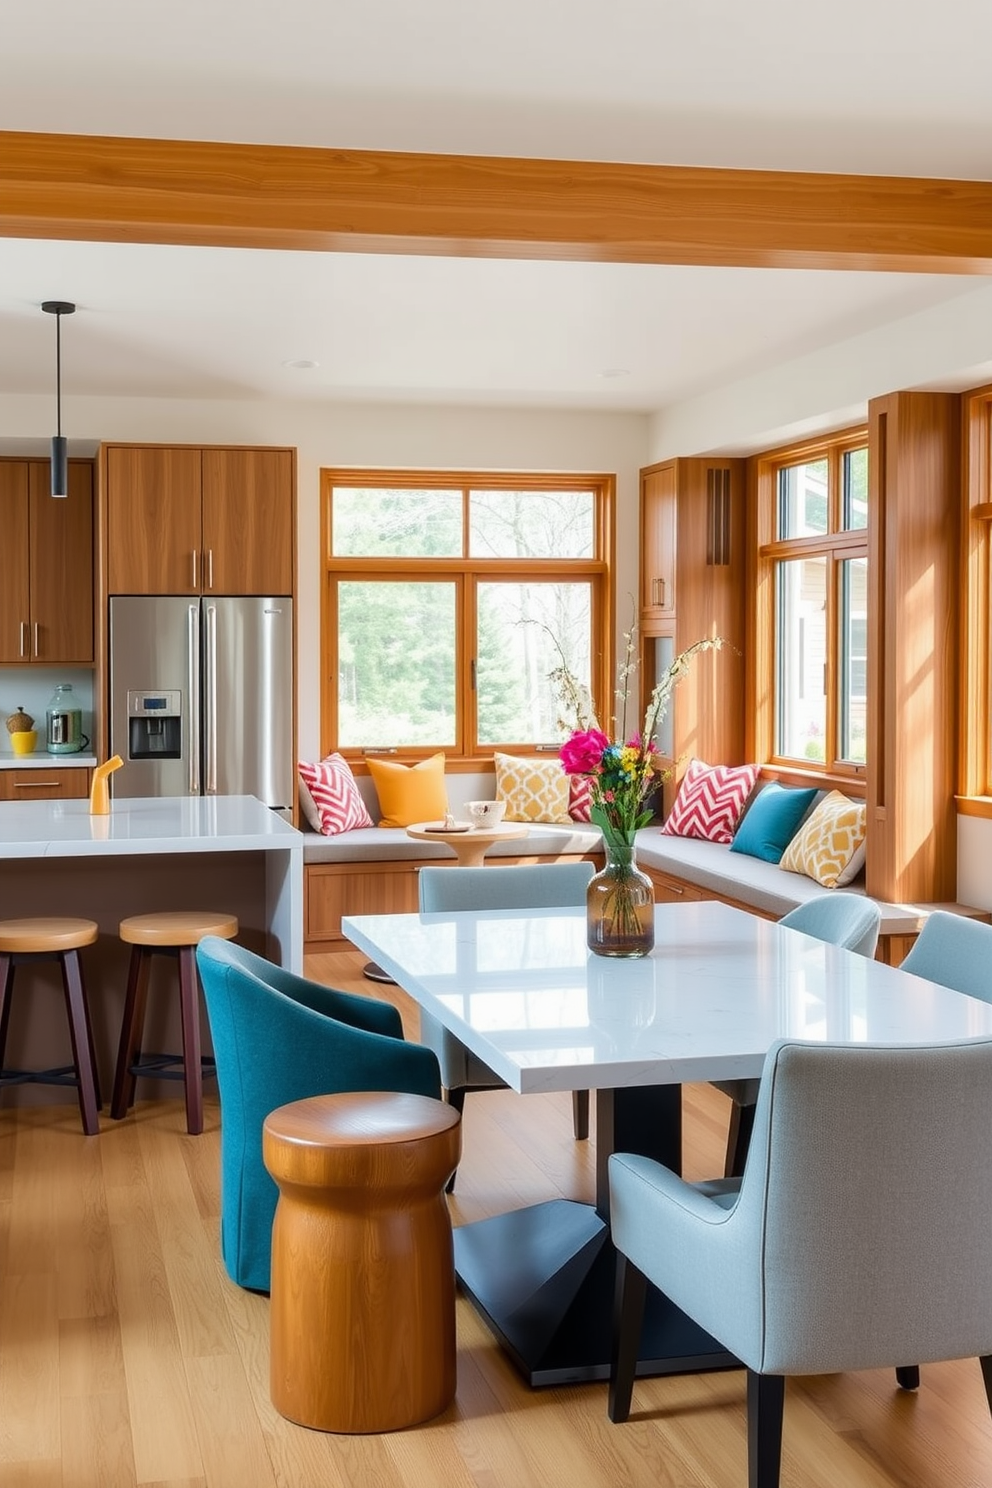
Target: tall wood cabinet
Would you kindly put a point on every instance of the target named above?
(46, 565)
(692, 586)
(913, 673)
(183, 520)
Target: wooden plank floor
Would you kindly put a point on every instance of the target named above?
(128, 1360)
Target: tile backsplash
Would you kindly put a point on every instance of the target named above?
(31, 688)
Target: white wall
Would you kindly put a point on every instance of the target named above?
(974, 860)
(374, 435)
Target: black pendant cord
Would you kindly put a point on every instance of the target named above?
(58, 374)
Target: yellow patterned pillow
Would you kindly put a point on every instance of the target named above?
(828, 840)
(535, 790)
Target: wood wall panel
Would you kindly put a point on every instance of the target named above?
(914, 552)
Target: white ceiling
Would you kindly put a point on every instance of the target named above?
(881, 88)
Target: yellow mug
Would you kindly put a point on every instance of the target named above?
(24, 741)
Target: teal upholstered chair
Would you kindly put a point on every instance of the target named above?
(833, 1252)
(278, 1038)
(955, 951)
(848, 920)
(527, 886)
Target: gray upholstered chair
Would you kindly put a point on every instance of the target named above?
(954, 951)
(832, 1252)
(528, 886)
(848, 920)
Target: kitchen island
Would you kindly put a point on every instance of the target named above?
(225, 853)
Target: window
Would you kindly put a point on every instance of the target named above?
(976, 691)
(812, 596)
(445, 601)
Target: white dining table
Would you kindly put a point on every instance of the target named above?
(521, 990)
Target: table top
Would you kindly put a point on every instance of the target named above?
(432, 832)
(523, 992)
(143, 824)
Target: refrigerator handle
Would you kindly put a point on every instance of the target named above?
(210, 700)
(193, 680)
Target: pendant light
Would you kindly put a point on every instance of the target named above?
(60, 453)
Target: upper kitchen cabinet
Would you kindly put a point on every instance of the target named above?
(199, 521)
(659, 506)
(248, 536)
(46, 564)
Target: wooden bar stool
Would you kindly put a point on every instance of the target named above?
(55, 939)
(175, 934)
(362, 1312)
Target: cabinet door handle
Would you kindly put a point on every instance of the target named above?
(37, 784)
(210, 568)
(37, 652)
(24, 637)
(194, 568)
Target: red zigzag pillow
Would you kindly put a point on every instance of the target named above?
(710, 800)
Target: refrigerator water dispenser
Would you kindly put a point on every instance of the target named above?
(154, 725)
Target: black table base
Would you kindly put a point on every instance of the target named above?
(543, 1280)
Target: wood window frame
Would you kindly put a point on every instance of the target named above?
(768, 549)
(975, 770)
(467, 754)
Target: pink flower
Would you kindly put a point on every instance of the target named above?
(581, 754)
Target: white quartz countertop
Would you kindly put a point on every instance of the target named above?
(143, 824)
(42, 760)
(520, 988)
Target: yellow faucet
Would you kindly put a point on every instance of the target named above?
(99, 791)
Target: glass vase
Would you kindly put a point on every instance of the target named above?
(620, 906)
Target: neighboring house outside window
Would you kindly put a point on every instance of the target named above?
(444, 596)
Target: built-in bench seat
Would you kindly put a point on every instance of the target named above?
(688, 868)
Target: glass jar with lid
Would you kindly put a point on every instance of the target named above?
(64, 722)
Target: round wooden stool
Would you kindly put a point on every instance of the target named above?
(56, 939)
(176, 934)
(362, 1320)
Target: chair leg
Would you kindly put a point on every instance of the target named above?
(765, 1404)
(131, 1029)
(908, 1377)
(456, 1100)
(189, 1006)
(6, 989)
(580, 1114)
(628, 1314)
(82, 1040)
(738, 1139)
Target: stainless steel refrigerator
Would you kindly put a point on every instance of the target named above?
(201, 697)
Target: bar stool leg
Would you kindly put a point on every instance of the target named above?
(82, 1040)
(131, 1029)
(6, 984)
(189, 1006)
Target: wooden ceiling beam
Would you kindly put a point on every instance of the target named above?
(112, 189)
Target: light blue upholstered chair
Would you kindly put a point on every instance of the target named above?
(954, 951)
(278, 1038)
(848, 920)
(527, 886)
(832, 1252)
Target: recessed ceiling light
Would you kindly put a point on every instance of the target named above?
(615, 372)
(302, 365)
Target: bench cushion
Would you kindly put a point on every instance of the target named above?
(391, 844)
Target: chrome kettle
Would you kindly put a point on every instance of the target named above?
(64, 722)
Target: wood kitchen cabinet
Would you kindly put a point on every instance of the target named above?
(692, 587)
(46, 564)
(659, 516)
(184, 520)
(71, 783)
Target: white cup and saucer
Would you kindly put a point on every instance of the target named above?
(486, 814)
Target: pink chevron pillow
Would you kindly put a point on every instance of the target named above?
(710, 801)
(331, 800)
(580, 797)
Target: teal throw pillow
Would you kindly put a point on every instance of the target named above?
(771, 821)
